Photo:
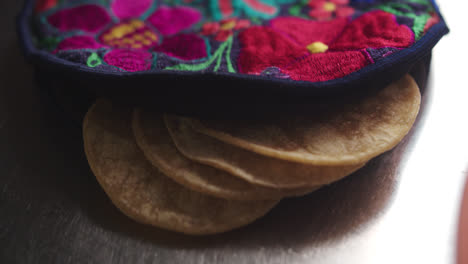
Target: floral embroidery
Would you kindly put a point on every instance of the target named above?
(417, 11)
(44, 5)
(264, 9)
(129, 34)
(308, 40)
(93, 60)
(224, 48)
(134, 33)
(325, 9)
(224, 29)
(319, 51)
(183, 46)
(434, 19)
(129, 60)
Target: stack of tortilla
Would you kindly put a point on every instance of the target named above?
(210, 176)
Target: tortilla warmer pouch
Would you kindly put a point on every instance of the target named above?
(225, 52)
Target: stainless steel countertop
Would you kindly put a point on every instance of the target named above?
(402, 208)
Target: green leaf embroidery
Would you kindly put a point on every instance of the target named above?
(255, 20)
(217, 56)
(49, 43)
(422, 2)
(228, 57)
(295, 10)
(93, 60)
(419, 21)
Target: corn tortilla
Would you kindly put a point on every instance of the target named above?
(154, 140)
(143, 193)
(250, 166)
(350, 134)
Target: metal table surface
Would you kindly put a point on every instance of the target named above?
(401, 208)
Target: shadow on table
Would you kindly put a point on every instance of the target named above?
(41, 150)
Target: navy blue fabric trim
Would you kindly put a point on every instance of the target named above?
(434, 4)
(75, 103)
(378, 74)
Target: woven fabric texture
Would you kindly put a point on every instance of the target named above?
(305, 40)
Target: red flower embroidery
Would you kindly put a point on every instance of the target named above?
(44, 5)
(225, 28)
(319, 50)
(325, 9)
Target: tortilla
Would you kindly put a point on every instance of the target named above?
(153, 138)
(250, 166)
(143, 193)
(349, 134)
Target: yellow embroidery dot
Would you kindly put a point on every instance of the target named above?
(137, 46)
(128, 41)
(122, 30)
(330, 7)
(138, 37)
(229, 25)
(146, 42)
(137, 23)
(317, 47)
(107, 37)
(151, 35)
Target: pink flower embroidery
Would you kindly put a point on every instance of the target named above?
(95, 29)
